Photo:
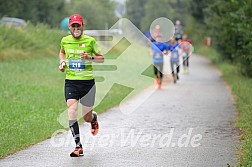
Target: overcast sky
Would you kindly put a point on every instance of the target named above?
(121, 1)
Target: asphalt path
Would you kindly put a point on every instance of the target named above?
(185, 124)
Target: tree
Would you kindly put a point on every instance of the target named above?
(154, 10)
(46, 11)
(180, 8)
(11, 8)
(135, 11)
(143, 12)
(197, 7)
(229, 24)
(97, 14)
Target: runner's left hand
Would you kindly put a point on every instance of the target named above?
(85, 56)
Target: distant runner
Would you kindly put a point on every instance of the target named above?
(158, 49)
(185, 46)
(178, 30)
(173, 47)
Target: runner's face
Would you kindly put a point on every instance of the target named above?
(76, 30)
(173, 41)
(158, 39)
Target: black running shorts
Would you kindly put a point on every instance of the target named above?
(83, 90)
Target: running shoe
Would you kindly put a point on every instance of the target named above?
(94, 125)
(78, 151)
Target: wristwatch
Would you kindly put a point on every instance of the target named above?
(92, 58)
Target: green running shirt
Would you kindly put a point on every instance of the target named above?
(78, 69)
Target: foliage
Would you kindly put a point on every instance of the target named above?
(135, 11)
(98, 14)
(229, 24)
(142, 13)
(18, 43)
(151, 13)
(39, 11)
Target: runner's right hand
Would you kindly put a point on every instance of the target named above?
(62, 66)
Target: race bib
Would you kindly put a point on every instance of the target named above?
(158, 56)
(174, 55)
(76, 65)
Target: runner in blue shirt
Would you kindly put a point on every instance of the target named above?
(158, 49)
(173, 47)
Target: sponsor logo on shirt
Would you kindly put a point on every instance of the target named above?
(82, 45)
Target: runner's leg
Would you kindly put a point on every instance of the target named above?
(155, 72)
(161, 72)
(72, 105)
(177, 68)
(87, 102)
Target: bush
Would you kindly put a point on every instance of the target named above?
(19, 43)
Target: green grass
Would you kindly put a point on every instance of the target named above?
(31, 99)
(113, 98)
(242, 90)
(33, 41)
(31, 86)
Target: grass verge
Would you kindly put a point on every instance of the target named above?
(242, 90)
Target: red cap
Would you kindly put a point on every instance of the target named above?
(75, 18)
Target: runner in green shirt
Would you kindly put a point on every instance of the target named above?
(77, 53)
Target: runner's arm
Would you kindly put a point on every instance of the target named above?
(62, 57)
(98, 58)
